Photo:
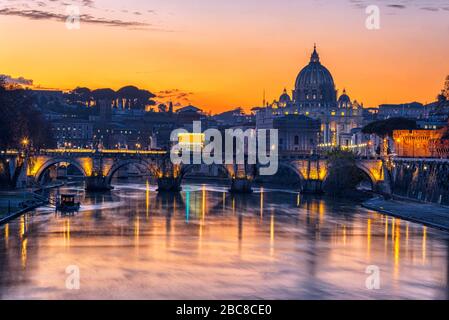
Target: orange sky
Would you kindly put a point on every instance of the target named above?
(223, 55)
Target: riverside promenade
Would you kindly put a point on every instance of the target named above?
(431, 215)
(17, 202)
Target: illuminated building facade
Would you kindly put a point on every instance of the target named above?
(418, 143)
(297, 133)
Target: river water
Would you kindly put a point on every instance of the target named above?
(206, 243)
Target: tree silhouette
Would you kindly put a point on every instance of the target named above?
(385, 128)
(132, 97)
(20, 120)
(81, 96)
(105, 94)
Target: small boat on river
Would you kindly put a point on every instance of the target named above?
(66, 203)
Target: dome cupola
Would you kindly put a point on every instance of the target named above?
(284, 99)
(314, 86)
(344, 101)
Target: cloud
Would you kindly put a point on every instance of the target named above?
(88, 3)
(397, 6)
(34, 14)
(177, 96)
(430, 9)
(432, 6)
(174, 93)
(18, 81)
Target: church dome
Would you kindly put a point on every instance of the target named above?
(284, 98)
(314, 85)
(344, 101)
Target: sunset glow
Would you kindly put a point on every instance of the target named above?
(220, 55)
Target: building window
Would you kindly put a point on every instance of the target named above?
(296, 140)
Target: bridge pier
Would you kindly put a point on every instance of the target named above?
(169, 184)
(312, 186)
(98, 184)
(241, 185)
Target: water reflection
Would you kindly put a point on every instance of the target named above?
(207, 243)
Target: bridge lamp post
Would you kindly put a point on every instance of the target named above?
(25, 143)
(398, 143)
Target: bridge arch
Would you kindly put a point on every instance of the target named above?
(291, 166)
(368, 173)
(365, 172)
(148, 164)
(51, 162)
(288, 174)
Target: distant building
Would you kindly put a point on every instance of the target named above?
(234, 118)
(419, 143)
(73, 133)
(414, 110)
(298, 133)
(439, 110)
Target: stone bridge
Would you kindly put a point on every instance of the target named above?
(98, 168)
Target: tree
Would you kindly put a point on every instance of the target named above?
(162, 108)
(385, 128)
(444, 95)
(128, 96)
(81, 96)
(106, 94)
(132, 97)
(144, 99)
(343, 173)
(20, 120)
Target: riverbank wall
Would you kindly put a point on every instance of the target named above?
(424, 180)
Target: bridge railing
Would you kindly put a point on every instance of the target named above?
(101, 151)
(9, 152)
(445, 160)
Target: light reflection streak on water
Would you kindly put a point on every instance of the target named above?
(424, 244)
(368, 239)
(136, 230)
(393, 221)
(291, 253)
(66, 232)
(24, 253)
(187, 206)
(6, 235)
(224, 201)
(397, 248)
(147, 199)
(406, 238)
(272, 233)
(386, 235)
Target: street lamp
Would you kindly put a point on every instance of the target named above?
(25, 142)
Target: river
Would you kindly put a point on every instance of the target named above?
(206, 243)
